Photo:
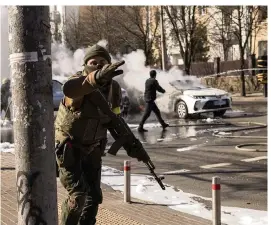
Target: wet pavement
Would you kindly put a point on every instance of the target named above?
(189, 154)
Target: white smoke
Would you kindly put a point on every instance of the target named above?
(65, 63)
(136, 73)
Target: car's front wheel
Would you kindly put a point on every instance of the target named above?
(219, 113)
(182, 110)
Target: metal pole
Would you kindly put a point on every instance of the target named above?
(31, 71)
(163, 44)
(216, 201)
(127, 181)
(265, 88)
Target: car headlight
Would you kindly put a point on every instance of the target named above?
(197, 97)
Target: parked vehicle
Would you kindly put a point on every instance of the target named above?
(57, 93)
(187, 99)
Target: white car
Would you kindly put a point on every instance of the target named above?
(186, 99)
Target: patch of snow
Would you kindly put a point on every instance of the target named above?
(210, 120)
(7, 147)
(146, 188)
(191, 147)
(193, 139)
(224, 133)
(147, 125)
(141, 188)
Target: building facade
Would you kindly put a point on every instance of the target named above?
(221, 23)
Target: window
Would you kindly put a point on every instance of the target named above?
(202, 10)
(262, 13)
(262, 48)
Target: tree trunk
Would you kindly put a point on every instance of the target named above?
(163, 42)
(186, 63)
(243, 85)
(30, 51)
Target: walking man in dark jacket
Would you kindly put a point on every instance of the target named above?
(151, 86)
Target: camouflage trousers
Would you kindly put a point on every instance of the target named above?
(80, 174)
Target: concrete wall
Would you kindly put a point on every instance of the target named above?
(232, 84)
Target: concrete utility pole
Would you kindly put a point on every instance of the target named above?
(163, 43)
(30, 49)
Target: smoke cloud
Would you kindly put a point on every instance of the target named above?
(65, 63)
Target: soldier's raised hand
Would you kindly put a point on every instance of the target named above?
(108, 72)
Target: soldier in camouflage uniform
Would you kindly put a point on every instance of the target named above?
(81, 136)
(5, 95)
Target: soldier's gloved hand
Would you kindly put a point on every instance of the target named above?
(108, 71)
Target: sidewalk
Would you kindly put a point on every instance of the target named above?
(113, 211)
(249, 97)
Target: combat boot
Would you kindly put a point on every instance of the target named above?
(165, 125)
(141, 129)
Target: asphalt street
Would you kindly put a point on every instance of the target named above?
(189, 155)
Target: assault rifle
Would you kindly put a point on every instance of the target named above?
(124, 137)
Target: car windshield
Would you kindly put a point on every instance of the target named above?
(186, 85)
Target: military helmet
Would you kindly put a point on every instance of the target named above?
(96, 50)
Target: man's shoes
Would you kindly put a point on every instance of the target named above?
(141, 129)
(165, 126)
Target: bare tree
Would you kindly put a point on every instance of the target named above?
(222, 30)
(95, 24)
(243, 19)
(186, 31)
(125, 28)
(72, 30)
(141, 23)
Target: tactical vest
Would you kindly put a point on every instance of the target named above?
(85, 126)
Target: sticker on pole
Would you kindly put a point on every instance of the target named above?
(23, 57)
